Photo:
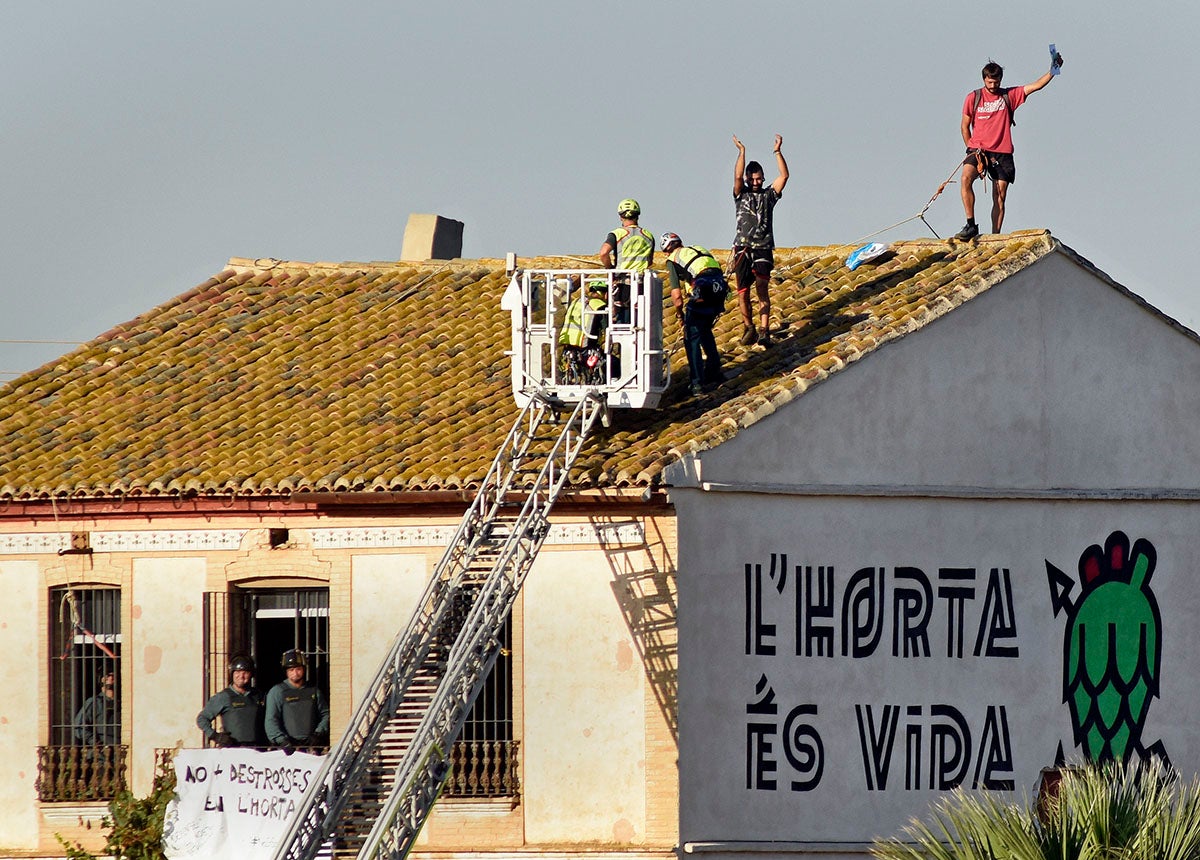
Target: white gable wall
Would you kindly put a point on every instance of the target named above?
(1035, 384)
(924, 495)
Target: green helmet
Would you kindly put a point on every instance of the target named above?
(628, 208)
(241, 663)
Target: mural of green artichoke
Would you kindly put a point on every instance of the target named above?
(1112, 646)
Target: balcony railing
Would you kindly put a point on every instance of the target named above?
(67, 773)
(483, 769)
(478, 769)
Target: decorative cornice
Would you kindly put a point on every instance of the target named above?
(389, 537)
(33, 543)
(204, 540)
(381, 537)
(625, 533)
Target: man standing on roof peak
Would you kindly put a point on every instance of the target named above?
(754, 244)
(987, 132)
(634, 249)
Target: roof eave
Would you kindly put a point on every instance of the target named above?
(340, 503)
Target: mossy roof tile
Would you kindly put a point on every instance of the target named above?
(278, 377)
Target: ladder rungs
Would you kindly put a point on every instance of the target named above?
(395, 777)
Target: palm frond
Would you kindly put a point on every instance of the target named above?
(1135, 811)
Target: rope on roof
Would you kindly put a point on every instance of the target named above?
(69, 606)
(857, 242)
(411, 290)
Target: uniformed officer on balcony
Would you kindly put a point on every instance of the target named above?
(240, 707)
(297, 713)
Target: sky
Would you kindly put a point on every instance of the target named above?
(147, 143)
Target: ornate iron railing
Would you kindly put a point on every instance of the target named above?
(76, 773)
(483, 769)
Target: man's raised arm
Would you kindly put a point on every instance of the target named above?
(739, 166)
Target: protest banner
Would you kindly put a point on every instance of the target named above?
(234, 803)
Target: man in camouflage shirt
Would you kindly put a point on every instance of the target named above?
(754, 244)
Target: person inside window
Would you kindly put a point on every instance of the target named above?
(98, 722)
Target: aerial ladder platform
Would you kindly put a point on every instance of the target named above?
(377, 786)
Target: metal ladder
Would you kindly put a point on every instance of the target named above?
(437, 665)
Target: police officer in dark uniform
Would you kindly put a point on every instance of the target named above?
(240, 708)
(297, 713)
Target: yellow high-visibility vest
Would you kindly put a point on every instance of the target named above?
(574, 332)
(694, 259)
(635, 248)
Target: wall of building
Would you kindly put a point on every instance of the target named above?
(788, 735)
(384, 589)
(598, 745)
(19, 629)
(577, 644)
(881, 582)
(164, 660)
(1032, 385)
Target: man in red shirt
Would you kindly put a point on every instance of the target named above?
(987, 132)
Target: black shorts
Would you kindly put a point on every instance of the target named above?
(749, 262)
(999, 165)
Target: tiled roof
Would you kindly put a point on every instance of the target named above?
(279, 377)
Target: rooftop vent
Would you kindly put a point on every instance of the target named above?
(431, 237)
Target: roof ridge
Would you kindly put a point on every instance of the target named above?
(242, 265)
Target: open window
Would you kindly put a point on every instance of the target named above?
(263, 623)
(483, 761)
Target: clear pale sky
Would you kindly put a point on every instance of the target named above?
(146, 143)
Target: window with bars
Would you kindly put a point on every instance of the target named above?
(85, 758)
(483, 761)
(285, 619)
(85, 626)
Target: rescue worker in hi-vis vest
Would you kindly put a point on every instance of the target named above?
(580, 336)
(695, 274)
(634, 250)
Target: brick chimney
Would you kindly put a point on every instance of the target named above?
(431, 237)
